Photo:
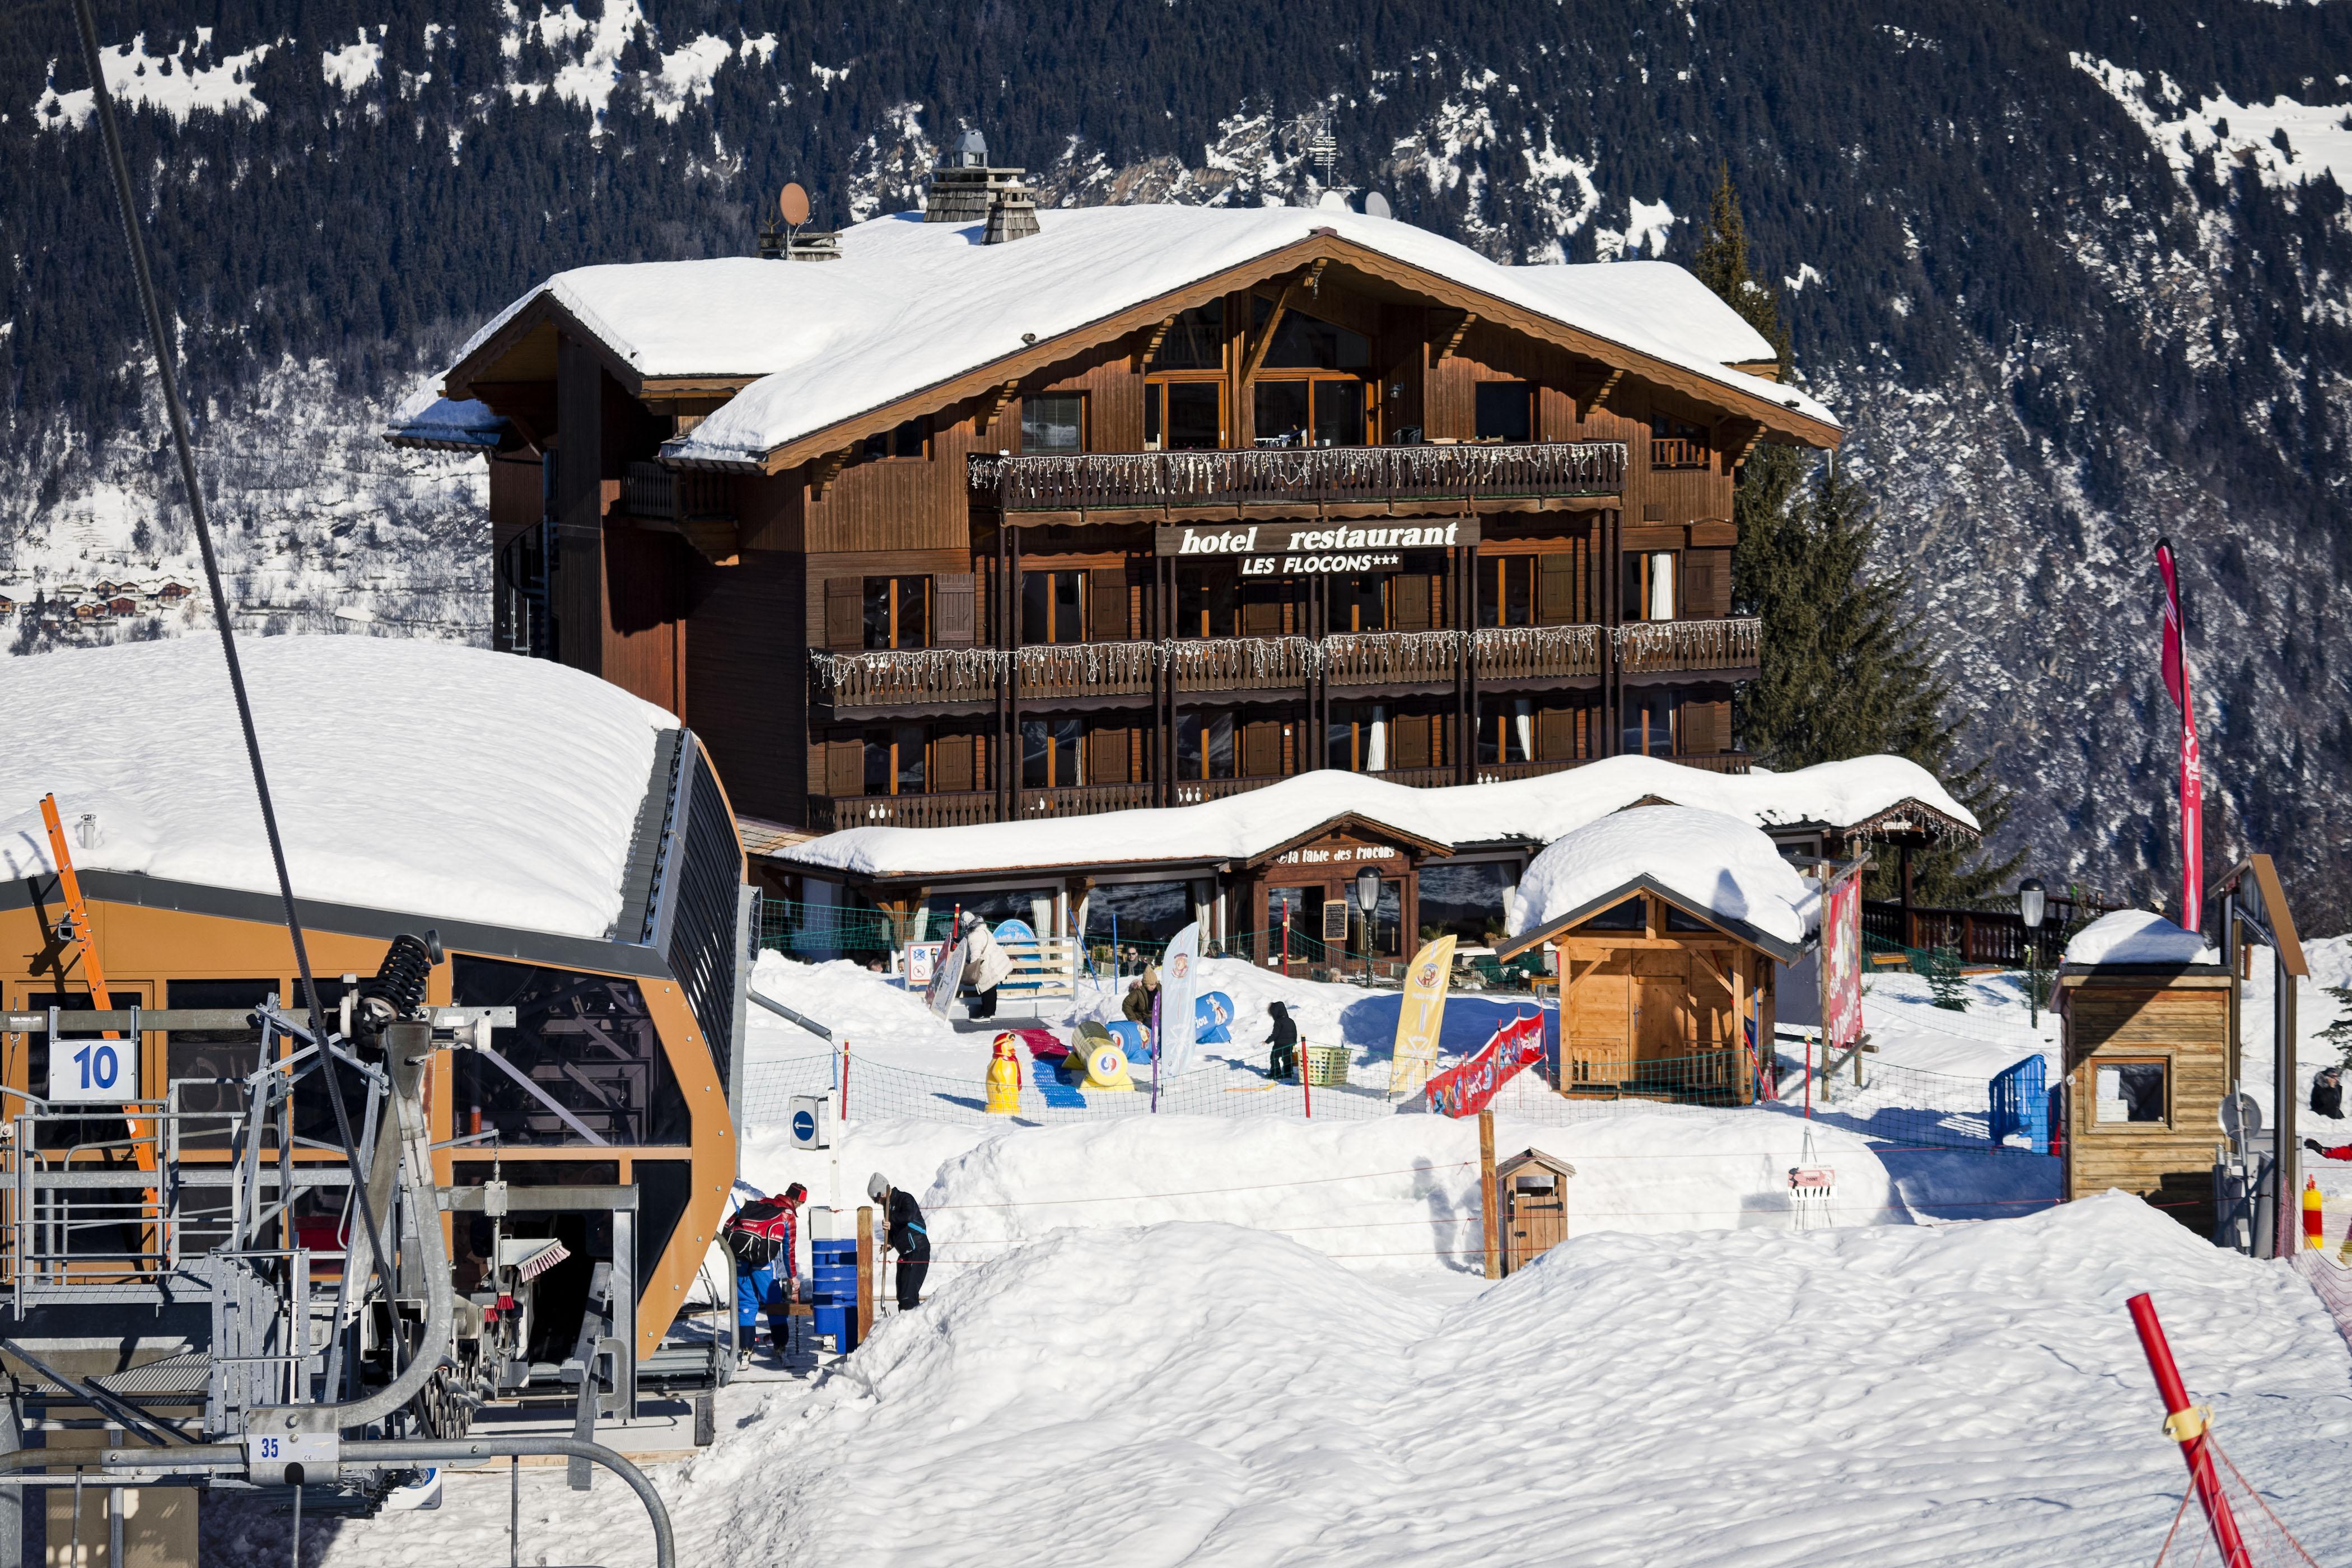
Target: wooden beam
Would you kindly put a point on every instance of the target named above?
(1151, 344)
(1454, 339)
(823, 472)
(993, 404)
(1608, 385)
(1306, 283)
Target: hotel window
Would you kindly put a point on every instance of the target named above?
(1506, 732)
(1208, 601)
(1507, 591)
(1053, 606)
(1195, 341)
(1355, 739)
(1054, 422)
(1184, 415)
(1650, 581)
(1051, 750)
(1506, 411)
(1204, 746)
(904, 441)
(1360, 603)
(897, 612)
(894, 758)
(1323, 411)
(1650, 723)
(1675, 445)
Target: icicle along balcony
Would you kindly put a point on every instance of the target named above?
(942, 680)
(1328, 481)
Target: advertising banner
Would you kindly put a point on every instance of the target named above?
(1420, 1017)
(1464, 1090)
(2192, 771)
(1180, 976)
(947, 977)
(1840, 955)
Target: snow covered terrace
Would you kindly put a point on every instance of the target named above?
(1864, 796)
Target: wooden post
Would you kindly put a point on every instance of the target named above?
(869, 1274)
(1488, 1200)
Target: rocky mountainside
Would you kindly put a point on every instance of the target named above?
(2077, 278)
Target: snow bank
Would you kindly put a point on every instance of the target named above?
(415, 776)
(1717, 862)
(1540, 809)
(1197, 1393)
(2137, 936)
(855, 1003)
(911, 304)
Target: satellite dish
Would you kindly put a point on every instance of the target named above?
(1377, 205)
(1332, 199)
(793, 205)
(2242, 1117)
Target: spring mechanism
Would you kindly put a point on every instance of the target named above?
(400, 980)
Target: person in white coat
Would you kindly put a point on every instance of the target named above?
(986, 967)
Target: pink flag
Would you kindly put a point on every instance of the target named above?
(2192, 779)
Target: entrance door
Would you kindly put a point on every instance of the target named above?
(1538, 1219)
(1662, 1026)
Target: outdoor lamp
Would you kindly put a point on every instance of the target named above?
(2033, 897)
(1368, 891)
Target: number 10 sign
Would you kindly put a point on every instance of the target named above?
(93, 1070)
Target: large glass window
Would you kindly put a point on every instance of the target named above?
(1195, 341)
(1359, 602)
(1054, 422)
(1305, 343)
(587, 1045)
(1204, 746)
(1052, 607)
(894, 760)
(1051, 750)
(1208, 601)
(1506, 411)
(210, 1065)
(1184, 415)
(1507, 591)
(1650, 581)
(1320, 413)
(1650, 723)
(898, 612)
(1465, 899)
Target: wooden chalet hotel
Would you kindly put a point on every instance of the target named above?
(983, 512)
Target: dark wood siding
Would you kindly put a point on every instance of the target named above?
(746, 679)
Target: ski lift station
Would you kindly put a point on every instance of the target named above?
(524, 904)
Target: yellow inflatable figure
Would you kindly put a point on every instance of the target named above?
(1005, 1079)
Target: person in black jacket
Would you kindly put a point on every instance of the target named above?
(1282, 1061)
(2328, 1093)
(906, 1237)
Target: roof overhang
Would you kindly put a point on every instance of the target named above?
(2253, 885)
(1779, 950)
(1344, 822)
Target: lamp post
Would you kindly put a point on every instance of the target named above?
(2033, 900)
(1368, 899)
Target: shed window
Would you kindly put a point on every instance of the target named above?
(904, 441)
(1054, 422)
(1627, 916)
(2133, 1092)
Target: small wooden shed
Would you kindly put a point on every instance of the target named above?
(1660, 997)
(2147, 1063)
(1534, 1188)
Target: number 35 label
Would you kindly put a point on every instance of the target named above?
(93, 1070)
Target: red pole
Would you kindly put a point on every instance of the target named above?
(2186, 1425)
(844, 1081)
(1808, 1078)
(1306, 1081)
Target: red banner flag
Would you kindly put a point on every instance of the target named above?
(2192, 777)
(1464, 1090)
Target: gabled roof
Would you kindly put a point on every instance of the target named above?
(914, 316)
(450, 425)
(1786, 951)
(1724, 870)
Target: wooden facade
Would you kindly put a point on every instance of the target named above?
(2147, 1064)
(1533, 1187)
(918, 617)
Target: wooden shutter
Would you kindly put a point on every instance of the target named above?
(816, 773)
(951, 764)
(845, 613)
(845, 767)
(1261, 749)
(1106, 757)
(1409, 742)
(1262, 619)
(1555, 589)
(1555, 739)
(1107, 606)
(1698, 724)
(954, 609)
(1412, 590)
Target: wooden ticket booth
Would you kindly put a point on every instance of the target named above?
(1660, 997)
(1534, 1189)
(1313, 877)
(2147, 1063)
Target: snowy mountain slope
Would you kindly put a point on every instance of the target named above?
(2077, 277)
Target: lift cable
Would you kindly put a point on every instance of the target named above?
(135, 243)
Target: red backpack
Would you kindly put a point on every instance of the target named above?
(761, 1231)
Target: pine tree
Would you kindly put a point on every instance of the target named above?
(1841, 676)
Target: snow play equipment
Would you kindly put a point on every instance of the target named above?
(1106, 1069)
(2315, 1219)
(1812, 1186)
(1003, 1080)
(1213, 1016)
(1131, 1037)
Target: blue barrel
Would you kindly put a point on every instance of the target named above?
(833, 1291)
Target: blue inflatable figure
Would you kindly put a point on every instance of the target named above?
(1133, 1039)
(1213, 1011)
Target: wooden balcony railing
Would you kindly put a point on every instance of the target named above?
(1086, 669)
(1391, 658)
(905, 676)
(1672, 452)
(1084, 799)
(675, 494)
(1419, 778)
(1531, 653)
(834, 813)
(1242, 664)
(1192, 792)
(1495, 773)
(1715, 762)
(1306, 477)
(1645, 648)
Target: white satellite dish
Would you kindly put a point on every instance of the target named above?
(1377, 205)
(1331, 199)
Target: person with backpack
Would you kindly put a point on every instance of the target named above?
(762, 1237)
(906, 1237)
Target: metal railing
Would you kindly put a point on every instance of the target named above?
(1646, 647)
(1307, 476)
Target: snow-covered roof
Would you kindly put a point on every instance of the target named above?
(1239, 827)
(2137, 936)
(413, 776)
(1710, 861)
(448, 424)
(911, 304)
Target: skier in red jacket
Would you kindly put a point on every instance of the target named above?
(762, 1235)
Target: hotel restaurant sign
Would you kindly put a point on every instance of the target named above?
(1281, 549)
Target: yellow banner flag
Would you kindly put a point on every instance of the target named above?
(1420, 1017)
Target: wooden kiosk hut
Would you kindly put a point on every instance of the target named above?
(2145, 1013)
(1665, 993)
(1534, 1189)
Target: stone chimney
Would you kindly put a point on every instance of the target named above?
(966, 188)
